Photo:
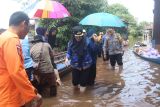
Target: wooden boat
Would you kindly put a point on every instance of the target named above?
(155, 60)
(59, 60)
(62, 67)
(139, 44)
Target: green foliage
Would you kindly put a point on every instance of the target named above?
(123, 13)
(78, 9)
(141, 27)
(81, 8)
(143, 24)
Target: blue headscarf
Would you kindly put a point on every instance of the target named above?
(41, 31)
(78, 47)
(90, 32)
(93, 48)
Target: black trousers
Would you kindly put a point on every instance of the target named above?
(92, 75)
(29, 72)
(80, 77)
(107, 56)
(116, 58)
(48, 85)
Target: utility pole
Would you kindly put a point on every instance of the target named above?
(156, 26)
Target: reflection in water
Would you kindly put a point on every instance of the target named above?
(138, 85)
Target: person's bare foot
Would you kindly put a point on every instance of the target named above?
(121, 68)
(82, 89)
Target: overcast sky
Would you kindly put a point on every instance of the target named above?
(142, 10)
(6, 9)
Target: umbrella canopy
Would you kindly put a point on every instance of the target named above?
(102, 20)
(48, 9)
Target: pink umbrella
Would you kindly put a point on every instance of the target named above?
(49, 9)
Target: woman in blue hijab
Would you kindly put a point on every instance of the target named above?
(80, 58)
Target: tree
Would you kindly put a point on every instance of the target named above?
(123, 13)
(142, 26)
(78, 9)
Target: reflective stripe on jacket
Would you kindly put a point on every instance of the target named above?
(15, 87)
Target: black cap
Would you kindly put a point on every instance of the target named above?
(77, 31)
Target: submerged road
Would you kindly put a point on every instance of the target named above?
(138, 85)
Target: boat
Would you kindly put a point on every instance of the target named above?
(62, 67)
(140, 44)
(59, 59)
(151, 58)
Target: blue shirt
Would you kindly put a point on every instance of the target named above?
(28, 62)
(104, 37)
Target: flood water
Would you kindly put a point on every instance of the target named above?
(137, 85)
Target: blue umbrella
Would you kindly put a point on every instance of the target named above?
(102, 20)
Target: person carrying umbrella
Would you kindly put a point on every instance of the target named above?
(115, 48)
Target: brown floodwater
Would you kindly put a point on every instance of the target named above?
(137, 85)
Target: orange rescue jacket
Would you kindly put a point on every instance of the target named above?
(15, 88)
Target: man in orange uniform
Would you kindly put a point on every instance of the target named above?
(15, 88)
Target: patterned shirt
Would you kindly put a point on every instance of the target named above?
(44, 59)
(114, 44)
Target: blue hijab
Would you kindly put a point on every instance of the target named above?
(90, 32)
(41, 32)
(79, 47)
